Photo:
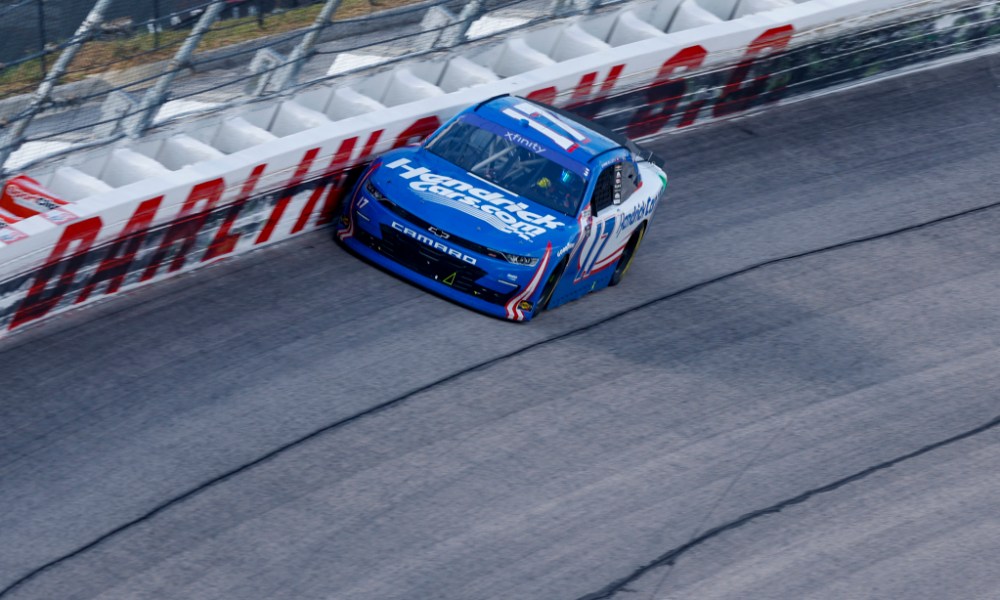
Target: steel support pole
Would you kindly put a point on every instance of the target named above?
(157, 94)
(288, 73)
(468, 15)
(42, 34)
(156, 24)
(15, 137)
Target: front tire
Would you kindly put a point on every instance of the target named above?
(550, 285)
(627, 255)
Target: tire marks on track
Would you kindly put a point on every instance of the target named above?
(670, 557)
(620, 584)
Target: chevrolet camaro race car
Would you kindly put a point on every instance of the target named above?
(510, 208)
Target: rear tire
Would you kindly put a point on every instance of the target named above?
(627, 255)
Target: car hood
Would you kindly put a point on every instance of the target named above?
(452, 200)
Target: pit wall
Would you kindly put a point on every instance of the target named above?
(142, 212)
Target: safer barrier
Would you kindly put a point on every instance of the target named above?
(268, 175)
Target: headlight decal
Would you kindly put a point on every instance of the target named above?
(374, 192)
(515, 259)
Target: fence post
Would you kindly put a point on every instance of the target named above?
(42, 35)
(156, 24)
(156, 95)
(288, 73)
(470, 13)
(15, 137)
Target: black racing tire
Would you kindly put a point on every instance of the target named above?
(550, 284)
(627, 255)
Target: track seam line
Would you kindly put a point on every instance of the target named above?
(471, 369)
(669, 557)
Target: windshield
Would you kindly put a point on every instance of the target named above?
(511, 166)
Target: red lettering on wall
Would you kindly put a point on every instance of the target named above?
(338, 190)
(185, 228)
(122, 252)
(735, 95)
(343, 180)
(376, 136)
(589, 103)
(225, 242)
(546, 95)
(584, 99)
(585, 89)
(666, 93)
(70, 252)
(279, 209)
(417, 132)
(338, 163)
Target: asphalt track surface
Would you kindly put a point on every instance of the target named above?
(794, 394)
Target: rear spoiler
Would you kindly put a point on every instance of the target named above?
(649, 156)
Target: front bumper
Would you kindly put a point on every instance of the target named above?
(375, 233)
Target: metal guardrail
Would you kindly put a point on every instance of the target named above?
(98, 108)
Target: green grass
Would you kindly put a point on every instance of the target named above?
(104, 55)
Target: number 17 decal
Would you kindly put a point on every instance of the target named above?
(589, 253)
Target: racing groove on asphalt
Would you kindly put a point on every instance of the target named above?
(585, 453)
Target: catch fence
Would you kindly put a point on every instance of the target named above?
(123, 67)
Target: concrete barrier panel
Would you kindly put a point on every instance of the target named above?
(127, 166)
(574, 42)
(690, 15)
(461, 73)
(629, 28)
(182, 150)
(219, 189)
(348, 102)
(662, 13)
(404, 86)
(516, 57)
(239, 134)
(293, 117)
(72, 184)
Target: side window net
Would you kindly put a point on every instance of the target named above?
(630, 181)
(605, 188)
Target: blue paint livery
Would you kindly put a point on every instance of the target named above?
(528, 222)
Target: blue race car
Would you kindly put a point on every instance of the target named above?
(510, 208)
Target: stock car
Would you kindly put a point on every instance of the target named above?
(510, 208)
